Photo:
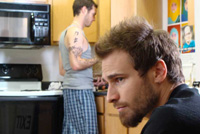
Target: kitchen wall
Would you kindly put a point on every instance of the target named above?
(197, 39)
(47, 57)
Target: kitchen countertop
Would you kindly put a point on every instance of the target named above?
(100, 93)
(45, 85)
(31, 93)
(41, 93)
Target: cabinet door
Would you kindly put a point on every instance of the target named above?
(100, 113)
(62, 16)
(121, 9)
(110, 109)
(138, 129)
(100, 104)
(114, 126)
(101, 124)
(112, 121)
(191, 13)
(92, 31)
(152, 12)
(104, 16)
(27, 1)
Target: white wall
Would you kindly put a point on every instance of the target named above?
(47, 57)
(197, 39)
(165, 13)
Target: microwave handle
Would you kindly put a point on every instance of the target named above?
(32, 28)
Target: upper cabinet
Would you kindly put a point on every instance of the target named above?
(104, 16)
(61, 17)
(191, 12)
(150, 10)
(27, 1)
(121, 9)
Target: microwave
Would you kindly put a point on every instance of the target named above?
(24, 25)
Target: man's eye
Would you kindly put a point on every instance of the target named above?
(119, 79)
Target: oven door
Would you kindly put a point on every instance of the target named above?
(31, 115)
(16, 27)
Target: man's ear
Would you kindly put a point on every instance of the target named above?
(160, 71)
(84, 10)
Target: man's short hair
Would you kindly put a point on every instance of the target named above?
(78, 4)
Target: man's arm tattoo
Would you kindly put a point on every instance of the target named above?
(75, 40)
(76, 34)
(75, 50)
(90, 61)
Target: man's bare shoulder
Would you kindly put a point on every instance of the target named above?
(73, 31)
(73, 36)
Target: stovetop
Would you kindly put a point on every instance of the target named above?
(21, 72)
(23, 80)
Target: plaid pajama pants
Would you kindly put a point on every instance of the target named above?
(80, 115)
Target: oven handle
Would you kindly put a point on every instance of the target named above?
(32, 27)
(30, 98)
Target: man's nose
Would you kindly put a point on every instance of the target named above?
(112, 94)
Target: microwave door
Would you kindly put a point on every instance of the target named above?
(15, 28)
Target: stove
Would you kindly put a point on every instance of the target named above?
(25, 107)
(23, 80)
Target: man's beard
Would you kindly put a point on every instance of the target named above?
(141, 108)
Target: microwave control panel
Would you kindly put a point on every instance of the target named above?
(41, 28)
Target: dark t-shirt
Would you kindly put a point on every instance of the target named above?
(180, 115)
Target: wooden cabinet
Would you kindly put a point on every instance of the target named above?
(104, 17)
(114, 126)
(113, 123)
(108, 119)
(100, 104)
(122, 9)
(61, 17)
(150, 10)
(138, 129)
(191, 12)
(28, 1)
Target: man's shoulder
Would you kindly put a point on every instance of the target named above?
(171, 119)
(182, 101)
(183, 109)
(73, 35)
(165, 112)
(71, 31)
